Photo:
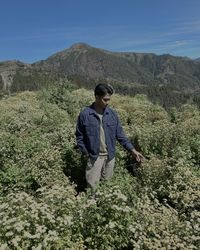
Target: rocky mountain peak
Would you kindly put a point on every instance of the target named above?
(79, 46)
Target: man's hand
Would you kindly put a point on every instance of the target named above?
(84, 156)
(138, 156)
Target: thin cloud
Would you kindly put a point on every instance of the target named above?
(188, 27)
(73, 33)
(117, 38)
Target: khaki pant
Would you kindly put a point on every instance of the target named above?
(100, 169)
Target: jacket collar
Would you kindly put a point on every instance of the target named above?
(92, 110)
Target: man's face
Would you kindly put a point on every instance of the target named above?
(103, 101)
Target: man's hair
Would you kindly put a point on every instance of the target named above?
(103, 89)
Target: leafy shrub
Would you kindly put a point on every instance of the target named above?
(151, 206)
(42, 223)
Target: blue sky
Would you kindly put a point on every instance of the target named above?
(32, 30)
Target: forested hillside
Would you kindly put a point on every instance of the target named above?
(43, 202)
(167, 80)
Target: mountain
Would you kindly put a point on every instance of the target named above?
(8, 70)
(197, 59)
(18, 76)
(158, 76)
(82, 60)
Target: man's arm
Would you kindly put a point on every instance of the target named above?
(124, 141)
(80, 135)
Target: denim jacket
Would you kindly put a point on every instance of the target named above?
(88, 132)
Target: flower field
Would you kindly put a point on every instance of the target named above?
(43, 203)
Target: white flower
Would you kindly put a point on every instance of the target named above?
(27, 235)
(15, 241)
(68, 220)
(39, 247)
(3, 246)
(132, 229)
(52, 233)
(9, 234)
(112, 224)
(126, 209)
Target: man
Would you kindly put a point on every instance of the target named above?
(97, 130)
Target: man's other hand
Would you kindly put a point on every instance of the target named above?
(138, 156)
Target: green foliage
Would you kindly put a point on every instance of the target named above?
(151, 206)
(104, 222)
(38, 223)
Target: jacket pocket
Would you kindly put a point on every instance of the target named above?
(112, 126)
(91, 128)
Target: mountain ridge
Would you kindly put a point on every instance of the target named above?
(130, 67)
(85, 66)
(197, 59)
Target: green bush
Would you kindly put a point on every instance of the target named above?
(154, 205)
(38, 223)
